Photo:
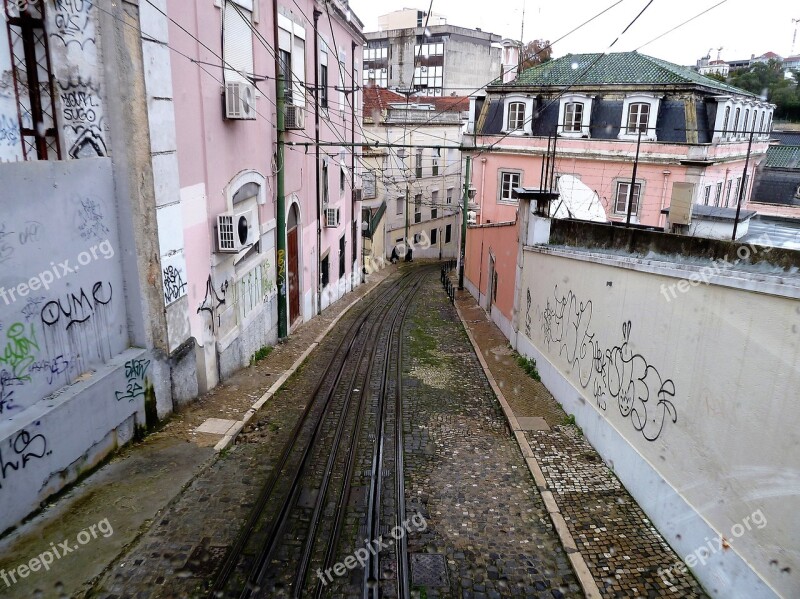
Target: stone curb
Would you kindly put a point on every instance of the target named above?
(587, 582)
(234, 431)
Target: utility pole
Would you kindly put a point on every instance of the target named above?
(464, 226)
(317, 15)
(406, 243)
(743, 185)
(633, 180)
(280, 209)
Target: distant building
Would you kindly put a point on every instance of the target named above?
(776, 188)
(706, 66)
(443, 60)
(418, 186)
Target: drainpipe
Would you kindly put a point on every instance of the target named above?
(317, 14)
(280, 208)
(663, 199)
(483, 186)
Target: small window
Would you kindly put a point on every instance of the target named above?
(435, 164)
(516, 116)
(737, 190)
(285, 60)
(736, 122)
(449, 195)
(746, 120)
(434, 233)
(418, 166)
(726, 120)
(508, 181)
(728, 193)
(573, 117)
(323, 86)
(707, 195)
(325, 186)
(621, 203)
(434, 203)
(400, 204)
(418, 208)
(638, 116)
(448, 231)
(718, 194)
(325, 271)
(761, 126)
(342, 256)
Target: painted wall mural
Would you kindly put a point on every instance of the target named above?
(613, 374)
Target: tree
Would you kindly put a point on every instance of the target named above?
(535, 52)
(717, 77)
(768, 81)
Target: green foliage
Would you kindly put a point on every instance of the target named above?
(529, 366)
(768, 80)
(260, 354)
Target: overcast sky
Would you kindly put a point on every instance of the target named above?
(740, 27)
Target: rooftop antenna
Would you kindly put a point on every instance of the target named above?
(719, 52)
(794, 36)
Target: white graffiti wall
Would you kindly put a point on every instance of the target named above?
(699, 390)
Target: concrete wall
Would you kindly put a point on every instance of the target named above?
(70, 391)
(687, 390)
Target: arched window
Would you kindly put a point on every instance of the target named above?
(725, 121)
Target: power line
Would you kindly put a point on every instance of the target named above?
(681, 25)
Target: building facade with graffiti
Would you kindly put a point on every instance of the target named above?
(140, 252)
(93, 350)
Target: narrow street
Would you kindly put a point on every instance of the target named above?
(318, 498)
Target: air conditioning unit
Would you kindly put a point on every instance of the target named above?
(295, 117)
(240, 101)
(331, 217)
(237, 230)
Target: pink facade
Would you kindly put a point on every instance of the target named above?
(228, 166)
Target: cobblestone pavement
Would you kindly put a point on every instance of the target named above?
(466, 475)
(487, 535)
(623, 550)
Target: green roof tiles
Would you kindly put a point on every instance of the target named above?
(618, 68)
(783, 157)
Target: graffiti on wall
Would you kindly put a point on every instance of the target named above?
(82, 115)
(213, 301)
(135, 371)
(612, 374)
(90, 219)
(22, 448)
(20, 350)
(73, 22)
(77, 323)
(174, 284)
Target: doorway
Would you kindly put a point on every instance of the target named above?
(293, 266)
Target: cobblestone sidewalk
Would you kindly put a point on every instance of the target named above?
(621, 548)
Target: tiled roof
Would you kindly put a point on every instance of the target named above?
(379, 98)
(783, 157)
(617, 68)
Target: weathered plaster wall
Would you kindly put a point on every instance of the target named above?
(70, 390)
(676, 391)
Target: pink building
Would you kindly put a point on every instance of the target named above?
(592, 111)
(223, 208)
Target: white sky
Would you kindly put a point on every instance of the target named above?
(741, 27)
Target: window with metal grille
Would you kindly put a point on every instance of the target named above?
(418, 208)
(33, 81)
(621, 203)
(638, 116)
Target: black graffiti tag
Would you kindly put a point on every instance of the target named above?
(135, 371)
(23, 448)
(77, 307)
(174, 285)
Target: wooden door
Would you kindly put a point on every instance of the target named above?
(293, 270)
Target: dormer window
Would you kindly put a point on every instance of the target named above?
(639, 115)
(518, 114)
(735, 130)
(726, 120)
(638, 118)
(573, 115)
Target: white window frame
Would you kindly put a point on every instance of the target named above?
(527, 122)
(501, 174)
(652, 117)
(586, 101)
(617, 184)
